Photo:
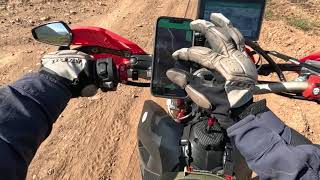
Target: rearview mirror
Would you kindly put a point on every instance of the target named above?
(54, 33)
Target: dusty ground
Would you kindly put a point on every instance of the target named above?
(95, 138)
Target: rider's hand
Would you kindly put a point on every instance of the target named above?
(234, 72)
(73, 68)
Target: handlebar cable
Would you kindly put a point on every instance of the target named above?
(185, 14)
(255, 46)
(259, 63)
(266, 69)
(294, 96)
(294, 61)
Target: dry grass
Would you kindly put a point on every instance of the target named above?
(301, 23)
(301, 14)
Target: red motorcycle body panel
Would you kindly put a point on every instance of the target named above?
(314, 56)
(95, 36)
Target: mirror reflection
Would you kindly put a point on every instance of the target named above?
(54, 33)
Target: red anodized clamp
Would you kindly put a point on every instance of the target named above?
(211, 122)
(313, 91)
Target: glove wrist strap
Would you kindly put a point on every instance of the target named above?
(253, 109)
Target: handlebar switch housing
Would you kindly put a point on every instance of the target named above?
(106, 77)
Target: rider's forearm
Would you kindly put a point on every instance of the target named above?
(28, 109)
(268, 154)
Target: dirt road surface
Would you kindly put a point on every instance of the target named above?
(95, 138)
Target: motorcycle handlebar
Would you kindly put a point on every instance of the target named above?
(304, 89)
(267, 88)
(143, 74)
(280, 87)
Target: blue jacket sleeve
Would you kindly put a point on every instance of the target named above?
(261, 141)
(28, 108)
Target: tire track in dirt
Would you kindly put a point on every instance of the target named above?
(89, 143)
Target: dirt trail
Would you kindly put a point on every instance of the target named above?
(95, 138)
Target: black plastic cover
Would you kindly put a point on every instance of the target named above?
(208, 150)
(158, 141)
(207, 147)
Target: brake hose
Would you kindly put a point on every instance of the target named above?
(255, 46)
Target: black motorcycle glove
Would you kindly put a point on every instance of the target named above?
(234, 72)
(72, 68)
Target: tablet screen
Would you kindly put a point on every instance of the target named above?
(246, 16)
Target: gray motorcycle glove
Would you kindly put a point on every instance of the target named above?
(73, 68)
(234, 72)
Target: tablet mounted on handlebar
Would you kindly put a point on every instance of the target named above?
(246, 15)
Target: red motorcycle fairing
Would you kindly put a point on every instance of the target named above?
(95, 36)
(99, 37)
(314, 56)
